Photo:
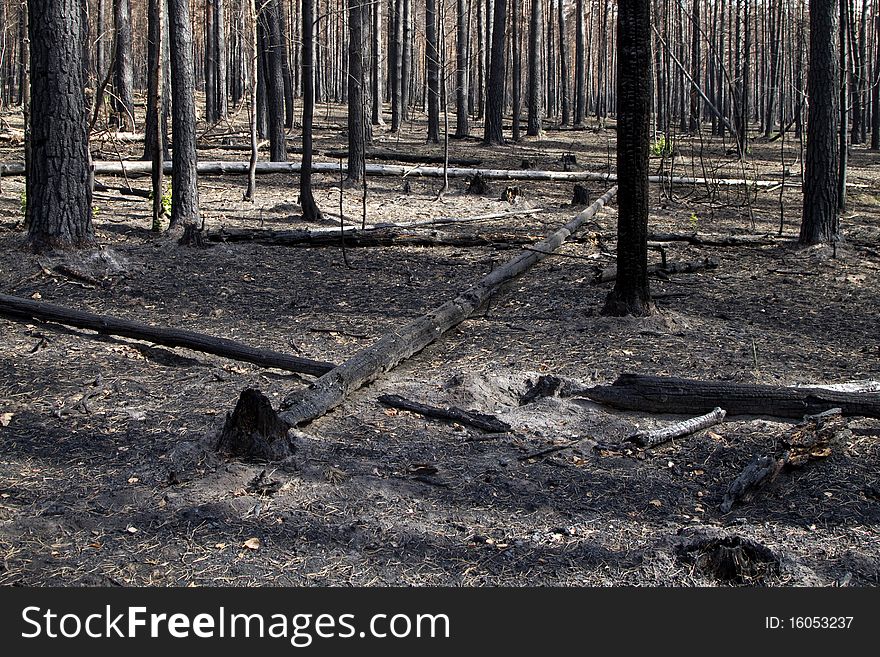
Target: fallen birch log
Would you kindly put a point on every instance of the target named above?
(659, 394)
(399, 344)
(411, 158)
(610, 273)
(26, 310)
(220, 168)
(451, 413)
(656, 437)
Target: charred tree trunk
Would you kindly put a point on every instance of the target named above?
(462, 68)
(432, 67)
(819, 222)
(631, 294)
(534, 91)
(184, 177)
(376, 65)
(310, 209)
(124, 77)
(212, 111)
(357, 124)
(493, 133)
(59, 192)
(155, 125)
(272, 59)
(516, 65)
(563, 65)
(397, 66)
(580, 69)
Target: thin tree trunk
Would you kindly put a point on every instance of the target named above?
(534, 91)
(462, 61)
(432, 66)
(253, 50)
(124, 82)
(184, 178)
(310, 209)
(563, 65)
(580, 73)
(357, 137)
(376, 65)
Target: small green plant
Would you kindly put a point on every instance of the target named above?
(96, 210)
(166, 202)
(23, 201)
(662, 147)
(694, 219)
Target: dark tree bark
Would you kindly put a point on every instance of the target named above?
(819, 222)
(212, 110)
(563, 65)
(273, 65)
(124, 75)
(58, 185)
(696, 70)
(155, 62)
(432, 66)
(254, 57)
(875, 89)
(580, 71)
(516, 65)
(184, 177)
(358, 11)
(397, 66)
(406, 73)
(843, 153)
(534, 90)
(493, 124)
(284, 56)
(101, 41)
(462, 68)
(310, 209)
(376, 66)
(220, 40)
(550, 59)
(631, 294)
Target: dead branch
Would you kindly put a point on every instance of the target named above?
(679, 429)
(26, 310)
(452, 413)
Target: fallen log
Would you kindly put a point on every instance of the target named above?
(715, 240)
(814, 438)
(124, 191)
(610, 273)
(658, 394)
(656, 437)
(411, 158)
(20, 309)
(353, 237)
(220, 168)
(452, 413)
(399, 344)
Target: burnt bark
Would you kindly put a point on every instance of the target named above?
(123, 102)
(432, 66)
(184, 176)
(253, 430)
(631, 293)
(819, 221)
(58, 185)
(357, 124)
(534, 89)
(310, 209)
(462, 61)
(269, 24)
(493, 134)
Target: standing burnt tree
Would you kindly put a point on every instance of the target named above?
(310, 209)
(493, 126)
(184, 175)
(123, 101)
(58, 186)
(272, 55)
(631, 294)
(534, 90)
(432, 66)
(819, 222)
(358, 12)
(462, 68)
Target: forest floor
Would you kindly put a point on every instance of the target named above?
(373, 496)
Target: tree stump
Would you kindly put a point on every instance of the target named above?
(510, 194)
(253, 431)
(527, 164)
(581, 195)
(478, 185)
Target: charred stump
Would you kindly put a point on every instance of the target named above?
(253, 431)
(478, 185)
(581, 195)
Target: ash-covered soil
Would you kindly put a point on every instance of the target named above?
(92, 426)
